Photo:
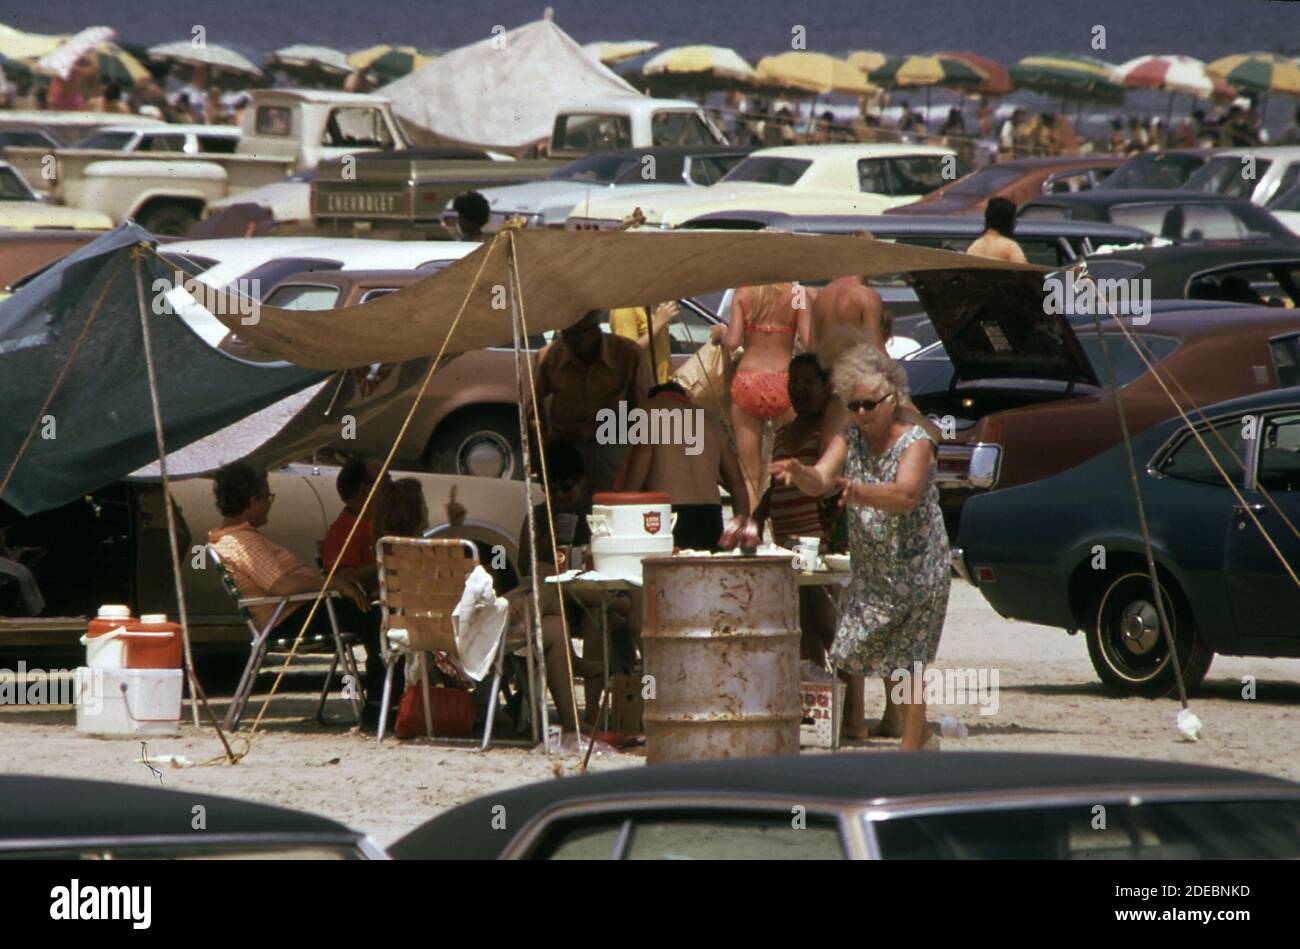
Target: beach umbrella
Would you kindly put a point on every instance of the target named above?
(937, 69)
(997, 80)
(15, 68)
(63, 60)
(118, 66)
(813, 72)
(213, 57)
(1081, 78)
(389, 62)
(17, 45)
(871, 63)
(314, 65)
(614, 52)
(1175, 74)
(702, 65)
(1257, 73)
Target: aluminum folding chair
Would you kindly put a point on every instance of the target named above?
(264, 643)
(420, 583)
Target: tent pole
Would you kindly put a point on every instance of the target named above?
(536, 649)
(171, 513)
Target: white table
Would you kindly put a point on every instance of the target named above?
(604, 587)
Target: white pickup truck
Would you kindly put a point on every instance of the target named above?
(283, 131)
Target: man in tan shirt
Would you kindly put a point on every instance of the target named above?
(583, 372)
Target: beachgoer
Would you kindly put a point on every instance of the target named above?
(634, 322)
(1009, 134)
(688, 472)
(353, 484)
(848, 301)
(885, 467)
(999, 226)
(766, 320)
(472, 215)
(583, 372)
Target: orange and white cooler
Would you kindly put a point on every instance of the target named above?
(627, 527)
(131, 684)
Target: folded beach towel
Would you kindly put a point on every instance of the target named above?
(479, 621)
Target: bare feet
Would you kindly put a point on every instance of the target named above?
(888, 728)
(860, 732)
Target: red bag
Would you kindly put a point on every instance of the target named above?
(452, 711)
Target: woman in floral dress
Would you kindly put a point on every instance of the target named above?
(884, 464)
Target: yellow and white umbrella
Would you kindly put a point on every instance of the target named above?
(1254, 72)
(389, 62)
(15, 44)
(870, 61)
(613, 52)
(715, 62)
(813, 72)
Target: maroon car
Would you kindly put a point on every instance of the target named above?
(1017, 180)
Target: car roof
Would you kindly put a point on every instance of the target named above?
(195, 128)
(1188, 319)
(853, 778)
(939, 225)
(1138, 196)
(1054, 161)
(864, 150)
(1210, 253)
(671, 151)
(1263, 151)
(41, 808)
(327, 96)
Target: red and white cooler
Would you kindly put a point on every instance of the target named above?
(627, 527)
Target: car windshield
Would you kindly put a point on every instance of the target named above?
(1227, 174)
(597, 169)
(13, 188)
(769, 170)
(985, 181)
(111, 141)
(1157, 171)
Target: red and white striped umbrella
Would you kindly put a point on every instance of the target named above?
(62, 61)
(1177, 74)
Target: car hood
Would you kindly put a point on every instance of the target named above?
(957, 204)
(30, 215)
(995, 325)
(687, 203)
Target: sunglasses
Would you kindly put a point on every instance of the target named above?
(866, 405)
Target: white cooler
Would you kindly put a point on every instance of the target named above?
(627, 527)
(149, 705)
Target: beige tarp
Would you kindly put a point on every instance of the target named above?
(504, 91)
(562, 275)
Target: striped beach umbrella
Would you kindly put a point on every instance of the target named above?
(1175, 74)
(813, 72)
(311, 65)
(1258, 73)
(872, 62)
(17, 45)
(997, 80)
(704, 62)
(118, 66)
(389, 62)
(210, 55)
(1081, 78)
(936, 69)
(63, 60)
(613, 52)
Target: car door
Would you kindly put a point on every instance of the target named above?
(1264, 597)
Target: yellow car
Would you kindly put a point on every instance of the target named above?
(22, 210)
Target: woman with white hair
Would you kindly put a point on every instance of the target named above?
(885, 465)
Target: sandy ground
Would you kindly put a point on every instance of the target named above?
(1049, 699)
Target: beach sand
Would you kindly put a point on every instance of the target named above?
(1049, 699)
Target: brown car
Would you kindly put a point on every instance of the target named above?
(1017, 180)
(468, 420)
(1026, 394)
(23, 253)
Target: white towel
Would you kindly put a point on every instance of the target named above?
(479, 621)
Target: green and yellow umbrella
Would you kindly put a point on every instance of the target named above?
(17, 45)
(389, 62)
(871, 61)
(118, 66)
(813, 72)
(936, 69)
(1081, 78)
(1258, 73)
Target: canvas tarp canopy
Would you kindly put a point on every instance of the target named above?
(504, 91)
(563, 274)
(100, 423)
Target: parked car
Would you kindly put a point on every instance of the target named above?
(59, 129)
(23, 253)
(1285, 206)
(1265, 272)
(1017, 181)
(48, 818)
(1162, 170)
(1255, 173)
(987, 805)
(176, 138)
(22, 210)
(1171, 215)
(27, 136)
(1033, 550)
(1027, 391)
(628, 171)
(800, 179)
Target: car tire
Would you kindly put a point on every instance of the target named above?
(484, 443)
(168, 220)
(1126, 645)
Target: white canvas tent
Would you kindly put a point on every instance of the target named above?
(504, 91)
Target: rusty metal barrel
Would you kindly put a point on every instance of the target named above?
(721, 639)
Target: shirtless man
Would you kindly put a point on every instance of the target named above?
(848, 301)
(999, 225)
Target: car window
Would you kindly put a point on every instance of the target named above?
(218, 144)
(349, 127)
(303, 297)
(1183, 222)
(26, 138)
(600, 169)
(1228, 174)
(1260, 286)
(1044, 212)
(679, 128)
(769, 170)
(1279, 454)
(1124, 359)
(376, 293)
(1150, 830)
(689, 331)
(1067, 183)
(273, 271)
(710, 169)
(162, 143)
(1157, 170)
(1288, 178)
(706, 835)
(1189, 461)
(1286, 360)
(12, 187)
(873, 176)
(273, 120)
(110, 141)
(917, 175)
(592, 132)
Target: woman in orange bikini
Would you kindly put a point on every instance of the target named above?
(765, 320)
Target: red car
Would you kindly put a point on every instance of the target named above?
(1018, 181)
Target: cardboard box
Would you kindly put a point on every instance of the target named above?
(819, 722)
